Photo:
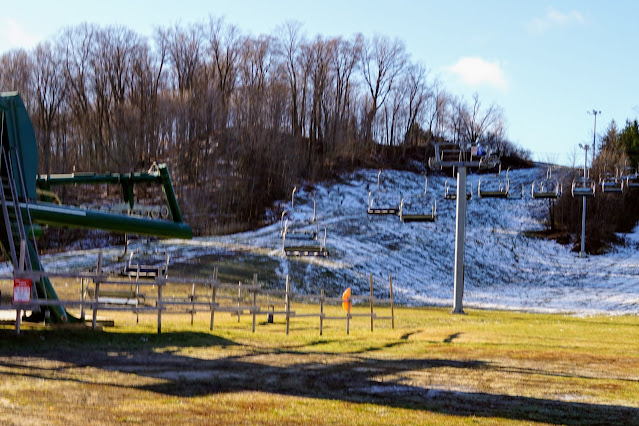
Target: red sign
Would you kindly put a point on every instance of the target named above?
(21, 290)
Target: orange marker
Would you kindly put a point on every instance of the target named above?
(346, 300)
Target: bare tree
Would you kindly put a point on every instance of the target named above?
(392, 112)
(437, 126)
(78, 44)
(456, 117)
(15, 74)
(146, 80)
(50, 88)
(482, 125)
(345, 60)
(224, 48)
(290, 45)
(184, 55)
(321, 53)
(418, 94)
(184, 47)
(116, 51)
(382, 61)
(256, 66)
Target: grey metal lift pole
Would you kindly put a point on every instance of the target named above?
(460, 237)
(452, 155)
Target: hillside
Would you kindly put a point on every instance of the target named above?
(504, 267)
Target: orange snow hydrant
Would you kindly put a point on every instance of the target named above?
(346, 300)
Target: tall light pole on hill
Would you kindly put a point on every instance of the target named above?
(594, 134)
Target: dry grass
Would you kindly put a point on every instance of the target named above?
(434, 367)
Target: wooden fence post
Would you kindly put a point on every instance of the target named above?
(321, 310)
(18, 320)
(213, 289)
(390, 279)
(348, 315)
(192, 302)
(239, 298)
(254, 298)
(95, 306)
(371, 300)
(137, 291)
(83, 298)
(160, 285)
(288, 304)
(97, 292)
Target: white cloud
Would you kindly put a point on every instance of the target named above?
(13, 35)
(475, 71)
(555, 18)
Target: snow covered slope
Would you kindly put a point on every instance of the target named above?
(504, 268)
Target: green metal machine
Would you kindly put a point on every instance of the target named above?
(22, 212)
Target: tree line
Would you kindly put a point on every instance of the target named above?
(240, 119)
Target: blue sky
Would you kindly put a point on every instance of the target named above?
(545, 63)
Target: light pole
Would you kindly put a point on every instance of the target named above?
(582, 253)
(594, 134)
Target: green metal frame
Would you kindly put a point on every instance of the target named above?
(18, 140)
(159, 174)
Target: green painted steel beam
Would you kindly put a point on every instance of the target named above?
(73, 217)
(169, 193)
(46, 181)
(45, 289)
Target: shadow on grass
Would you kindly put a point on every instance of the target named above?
(83, 339)
(452, 337)
(331, 376)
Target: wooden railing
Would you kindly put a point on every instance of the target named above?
(107, 292)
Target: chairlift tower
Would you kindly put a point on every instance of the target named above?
(452, 155)
(582, 252)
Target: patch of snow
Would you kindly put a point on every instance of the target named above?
(390, 389)
(632, 238)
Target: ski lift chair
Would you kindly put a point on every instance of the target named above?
(611, 184)
(414, 208)
(630, 177)
(318, 249)
(545, 190)
(381, 202)
(518, 195)
(140, 265)
(447, 154)
(145, 265)
(632, 181)
(417, 217)
(496, 186)
(548, 188)
(450, 191)
(583, 187)
(294, 208)
(298, 228)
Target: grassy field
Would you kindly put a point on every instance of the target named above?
(433, 368)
